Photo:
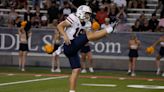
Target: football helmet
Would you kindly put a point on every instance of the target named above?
(82, 10)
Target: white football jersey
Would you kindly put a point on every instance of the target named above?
(76, 26)
(162, 43)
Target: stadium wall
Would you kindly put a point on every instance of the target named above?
(108, 53)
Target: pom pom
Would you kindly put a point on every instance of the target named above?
(150, 50)
(23, 24)
(95, 26)
(48, 48)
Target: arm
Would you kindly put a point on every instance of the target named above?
(156, 42)
(61, 27)
(139, 44)
(30, 33)
(158, 6)
(129, 44)
(19, 31)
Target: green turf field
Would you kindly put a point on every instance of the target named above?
(40, 79)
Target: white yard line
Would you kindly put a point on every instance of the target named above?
(99, 85)
(35, 80)
(146, 86)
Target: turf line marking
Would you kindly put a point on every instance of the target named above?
(121, 78)
(99, 85)
(146, 86)
(10, 74)
(35, 80)
(150, 80)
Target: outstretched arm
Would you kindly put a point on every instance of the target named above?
(157, 42)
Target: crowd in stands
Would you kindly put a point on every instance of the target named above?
(58, 10)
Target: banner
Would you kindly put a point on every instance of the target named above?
(115, 44)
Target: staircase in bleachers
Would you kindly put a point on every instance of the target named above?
(134, 14)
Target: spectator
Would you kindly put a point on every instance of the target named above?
(137, 4)
(136, 26)
(48, 3)
(95, 6)
(14, 3)
(37, 3)
(34, 24)
(113, 12)
(2, 22)
(27, 14)
(145, 27)
(4, 3)
(37, 19)
(160, 27)
(106, 4)
(141, 4)
(142, 18)
(101, 15)
(53, 24)
(161, 6)
(12, 17)
(107, 23)
(120, 3)
(44, 21)
(22, 4)
(66, 10)
(153, 22)
(132, 4)
(53, 12)
(122, 26)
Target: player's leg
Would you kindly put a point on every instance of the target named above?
(73, 78)
(92, 36)
(75, 65)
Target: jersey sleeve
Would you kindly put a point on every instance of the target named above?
(71, 19)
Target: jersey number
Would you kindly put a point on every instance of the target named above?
(78, 31)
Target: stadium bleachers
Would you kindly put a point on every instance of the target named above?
(151, 5)
(133, 13)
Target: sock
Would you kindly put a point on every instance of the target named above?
(158, 69)
(109, 29)
(72, 91)
(129, 70)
